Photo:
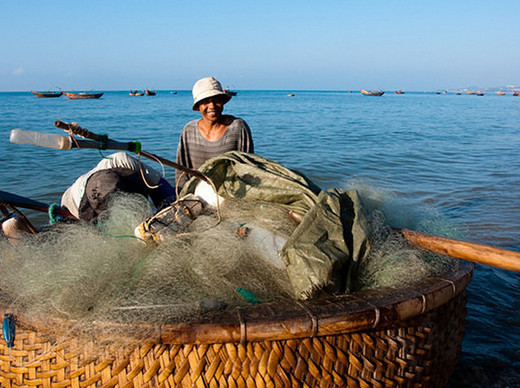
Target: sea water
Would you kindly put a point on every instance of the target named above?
(451, 156)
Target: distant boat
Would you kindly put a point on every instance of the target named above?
(399, 92)
(290, 95)
(372, 92)
(83, 95)
(515, 93)
(470, 92)
(501, 94)
(136, 93)
(48, 94)
(230, 92)
(150, 92)
(458, 93)
(479, 94)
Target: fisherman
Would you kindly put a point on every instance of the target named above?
(213, 134)
(89, 195)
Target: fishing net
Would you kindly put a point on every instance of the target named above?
(322, 254)
(392, 261)
(87, 274)
(83, 273)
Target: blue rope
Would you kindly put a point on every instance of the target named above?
(52, 213)
(8, 329)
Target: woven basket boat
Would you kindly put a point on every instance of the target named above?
(376, 338)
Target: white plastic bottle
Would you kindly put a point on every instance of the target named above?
(48, 140)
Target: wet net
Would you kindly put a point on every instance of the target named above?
(83, 273)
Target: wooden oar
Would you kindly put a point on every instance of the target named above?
(19, 136)
(83, 132)
(27, 203)
(478, 253)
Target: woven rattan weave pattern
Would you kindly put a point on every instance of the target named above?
(379, 350)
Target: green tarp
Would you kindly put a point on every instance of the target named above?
(323, 253)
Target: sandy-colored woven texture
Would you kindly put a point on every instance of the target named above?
(419, 352)
(409, 337)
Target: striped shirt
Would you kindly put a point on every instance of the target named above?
(193, 150)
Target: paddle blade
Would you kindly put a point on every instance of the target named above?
(47, 140)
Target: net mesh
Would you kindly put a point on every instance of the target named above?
(97, 273)
(392, 261)
(89, 273)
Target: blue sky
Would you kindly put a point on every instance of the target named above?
(287, 45)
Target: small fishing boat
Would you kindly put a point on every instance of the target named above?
(479, 94)
(47, 94)
(399, 92)
(404, 336)
(136, 93)
(470, 93)
(150, 92)
(83, 95)
(407, 336)
(386, 336)
(501, 93)
(372, 92)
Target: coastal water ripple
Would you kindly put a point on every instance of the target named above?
(455, 156)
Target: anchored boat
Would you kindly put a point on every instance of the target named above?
(372, 92)
(83, 95)
(48, 94)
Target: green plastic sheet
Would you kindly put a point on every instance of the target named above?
(324, 251)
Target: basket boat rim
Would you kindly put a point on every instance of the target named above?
(349, 313)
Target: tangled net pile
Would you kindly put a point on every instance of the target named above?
(392, 261)
(89, 273)
(84, 273)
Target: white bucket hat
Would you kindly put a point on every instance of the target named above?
(205, 88)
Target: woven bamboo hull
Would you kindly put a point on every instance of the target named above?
(404, 338)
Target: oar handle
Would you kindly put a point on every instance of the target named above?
(177, 166)
(478, 253)
(78, 130)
